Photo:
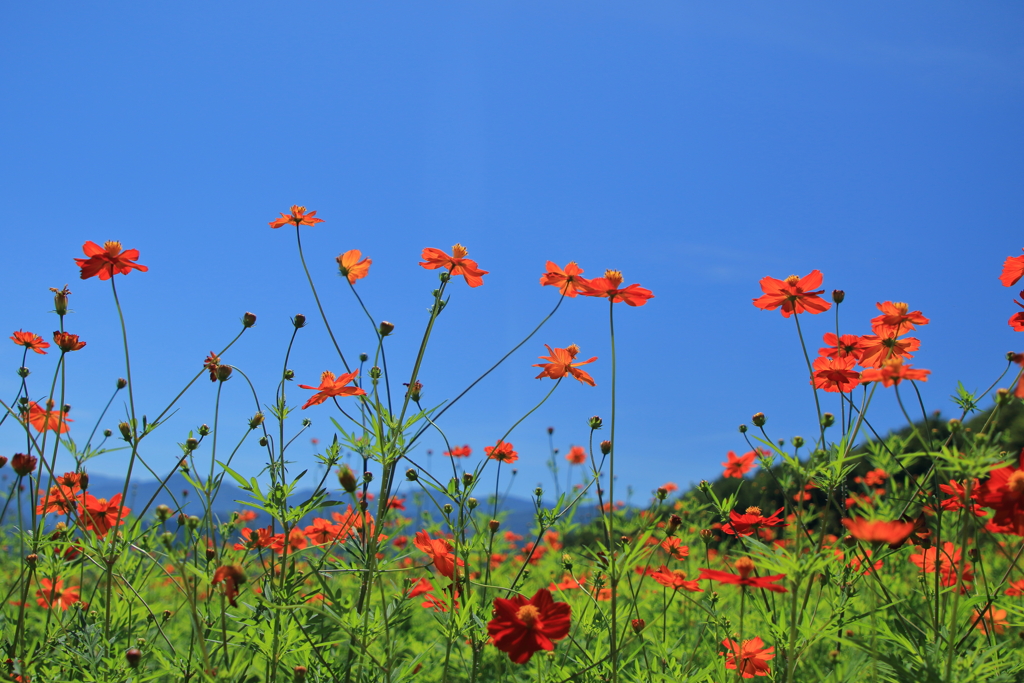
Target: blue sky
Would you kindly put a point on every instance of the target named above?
(696, 147)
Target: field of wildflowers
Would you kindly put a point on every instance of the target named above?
(855, 555)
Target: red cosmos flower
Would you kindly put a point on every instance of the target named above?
(879, 531)
(419, 587)
(457, 264)
(958, 497)
(521, 627)
(396, 503)
(459, 452)
(1016, 320)
(855, 562)
(893, 372)
(745, 566)
(23, 464)
(577, 455)
(993, 620)
(949, 562)
(46, 419)
(211, 363)
(896, 319)
(321, 532)
(107, 260)
(835, 374)
(841, 347)
(351, 267)
(298, 217)
(875, 350)
(67, 342)
(1003, 492)
(502, 452)
(1013, 270)
(750, 521)
(737, 467)
(675, 579)
(53, 593)
(562, 364)
(440, 552)
(793, 295)
(568, 281)
(30, 340)
(1016, 588)
(331, 387)
(752, 655)
(569, 583)
(673, 546)
(608, 287)
(233, 576)
(876, 477)
(1018, 358)
(59, 499)
(100, 515)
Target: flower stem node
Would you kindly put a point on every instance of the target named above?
(758, 419)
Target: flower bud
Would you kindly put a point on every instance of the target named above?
(191, 443)
(1002, 396)
(107, 433)
(638, 625)
(411, 475)
(954, 425)
(661, 493)
(299, 674)
(126, 430)
(367, 477)
(211, 553)
(704, 486)
(385, 328)
(414, 391)
(166, 614)
(3, 461)
(674, 522)
(707, 535)
(133, 657)
(472, 503)
(567, 562)
(23, 372)
(203, 430)
(467, 478)
(182, 518)
(163, 513)
(758, 419)
(289, 375)
(743, 429)
(595, 422)
(447, 508)
(192, 522)
(828, 419)
(256, 421)
(798, 441)
(375, 372)
(23, 464)
(538, 492)
(224, 372)
(347, 479)
(363, 357)
(264, 441)
(299, 321)
(838, 295)
(83, 480)
(494, 525)
(60, 300)
(121, 383)
(31, 559)
(606, 447)
(249, 319)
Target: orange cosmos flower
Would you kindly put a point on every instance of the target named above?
(502, 452)
(577, 455)
(568, 281)
(609, 288)
(459, 452)
(561, 364)
(351, 267)
(53, 593)
(751, 520)
(753, 657)
(23, 464)
(211, 363)
(896, 319)
(107, 260)
(745, 566)
(675, 548)
(298, 217)
(993, 620)
(457, 264)
(440, 552)
(675, 579)
(1013, 270)
(46, 419)
(1016, 588)
(737, 467)
(835, 374)
(876, 349)
(1017, 319)
(893, 372)
(841, 347)
(891, 533)
(67, 342)
(232, 575)
(521, 627)
(331, 387)
(100, 515)
(30, 340)
(950, 559)
(793, 295)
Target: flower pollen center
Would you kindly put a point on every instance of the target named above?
(528, 614)
(572, 349)
(792, 280)
(1016, 482)
(901, 307)
(614, 277)
(459, 251)
(754, 510)
(744, 566)
(326, 375)
(112, 248)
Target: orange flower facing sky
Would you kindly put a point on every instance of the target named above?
(351, 267)
(1013, 270)
(30, 340)
(101, 515)
(43, 419)
(107, 260)
(876, 349)
(456, 264)
(893, 371)
(331, 387)
(577, 455)
(67, 342)
(459, 452)
(736, 467)
(841, 347)
(793, 294)
(835, 374)
(610, 287)
(896, 319)
(567, 280)
(561, 364)
(753, 657)
(54, 593)
(891, 533)
(298, 217)
(502, 452)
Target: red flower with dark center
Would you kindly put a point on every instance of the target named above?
(561, 364)
(675, 579)
(875, 350)
(841, 347)
(958, 499)
(23, 464)
(1013, 270)
(232, 575)
(753, 657)
(950, 561)
(211, 363)
(331, 387)
(896, 319)
(745, 566)
(893, 371)
(440, 552)
(349, 265)
(459, 452)
(1016, 320)
(53, 593)
(503, 452)
(298, 217)
(521, 627)
(675, 548)
(100, 515)
(737, 467)
(1003, 492)
(107, 260)
(456, 264)
(43, 419)
(577, 455)
(750, 521)
(793, 295)
(30, 340)
(835, 374)
(568, 281)
(610, 288)
(878, 531)
(67, 342)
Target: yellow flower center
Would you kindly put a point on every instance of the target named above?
(614, 277)
(792, 280)
(528, 614)
(1016, 482)
(744, 566)
(753, 510)
(459, 251)
(326, 375)
(572, 349)
(112, 248)
(900, 307)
